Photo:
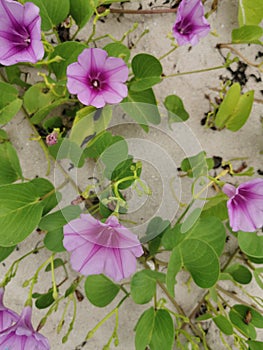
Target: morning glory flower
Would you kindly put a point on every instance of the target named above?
(22, 336)
(7, 316)
(245, 206)
(190, 24)
(52, 139)
(20, 33)
(97, 79)
(97, 247)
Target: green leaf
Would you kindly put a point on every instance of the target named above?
(223, 324)
(39, 101)
(117, 49)
(44, 300)
(198, 250)
(145, 65)
(99, 143)
(147, 70)
(5, 252)
(247, 34)
(66, 149)
(10, 170)
(255, 345)
(57, 263)
(82, 10)
(124, 169)
(13, 74)
(250, 12)
(59, 218)
(204, 317)
(52, 12)
(100, 290)
(89, 122)
(141, 84)
(143, 285)
(175, 108)
(144, 329)
(46, 23)
(208, 229)
(163, 331)
(21, 207)
(258, 276)
(69, 52)
(201, 260)
(197, 165)
(235, 109)
(238, 316)
(141, 106)
(256, 317)
(216, 206)
(155, 227)
(113, 155)
(53, 224)
(155, 329)
(251, 244)
(240, 273)
(54, 240)
(9, 102)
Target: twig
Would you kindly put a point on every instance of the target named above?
(142, 12)
(232, 49)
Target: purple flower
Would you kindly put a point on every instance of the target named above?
(190, 24)
(52, 139)
(98, 79)
(96, 247)
(22, 336)
(7, 316)
(20, 34)
(245, 206)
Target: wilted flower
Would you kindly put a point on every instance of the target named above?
(22, 336)
(97, 247)
(245, 206)
(20, 33)
(7, 316)
(190, 24)
(97, 79)
(52, 138)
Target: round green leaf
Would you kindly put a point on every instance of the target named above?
(145, 65)
(240, 273)
(223, 324)
(201, 261)
(143, 287)
(247, 34)
(100, 290)
(175, 108)
(54, 240)
(251, 244)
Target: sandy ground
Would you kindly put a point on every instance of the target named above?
(161, 150)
